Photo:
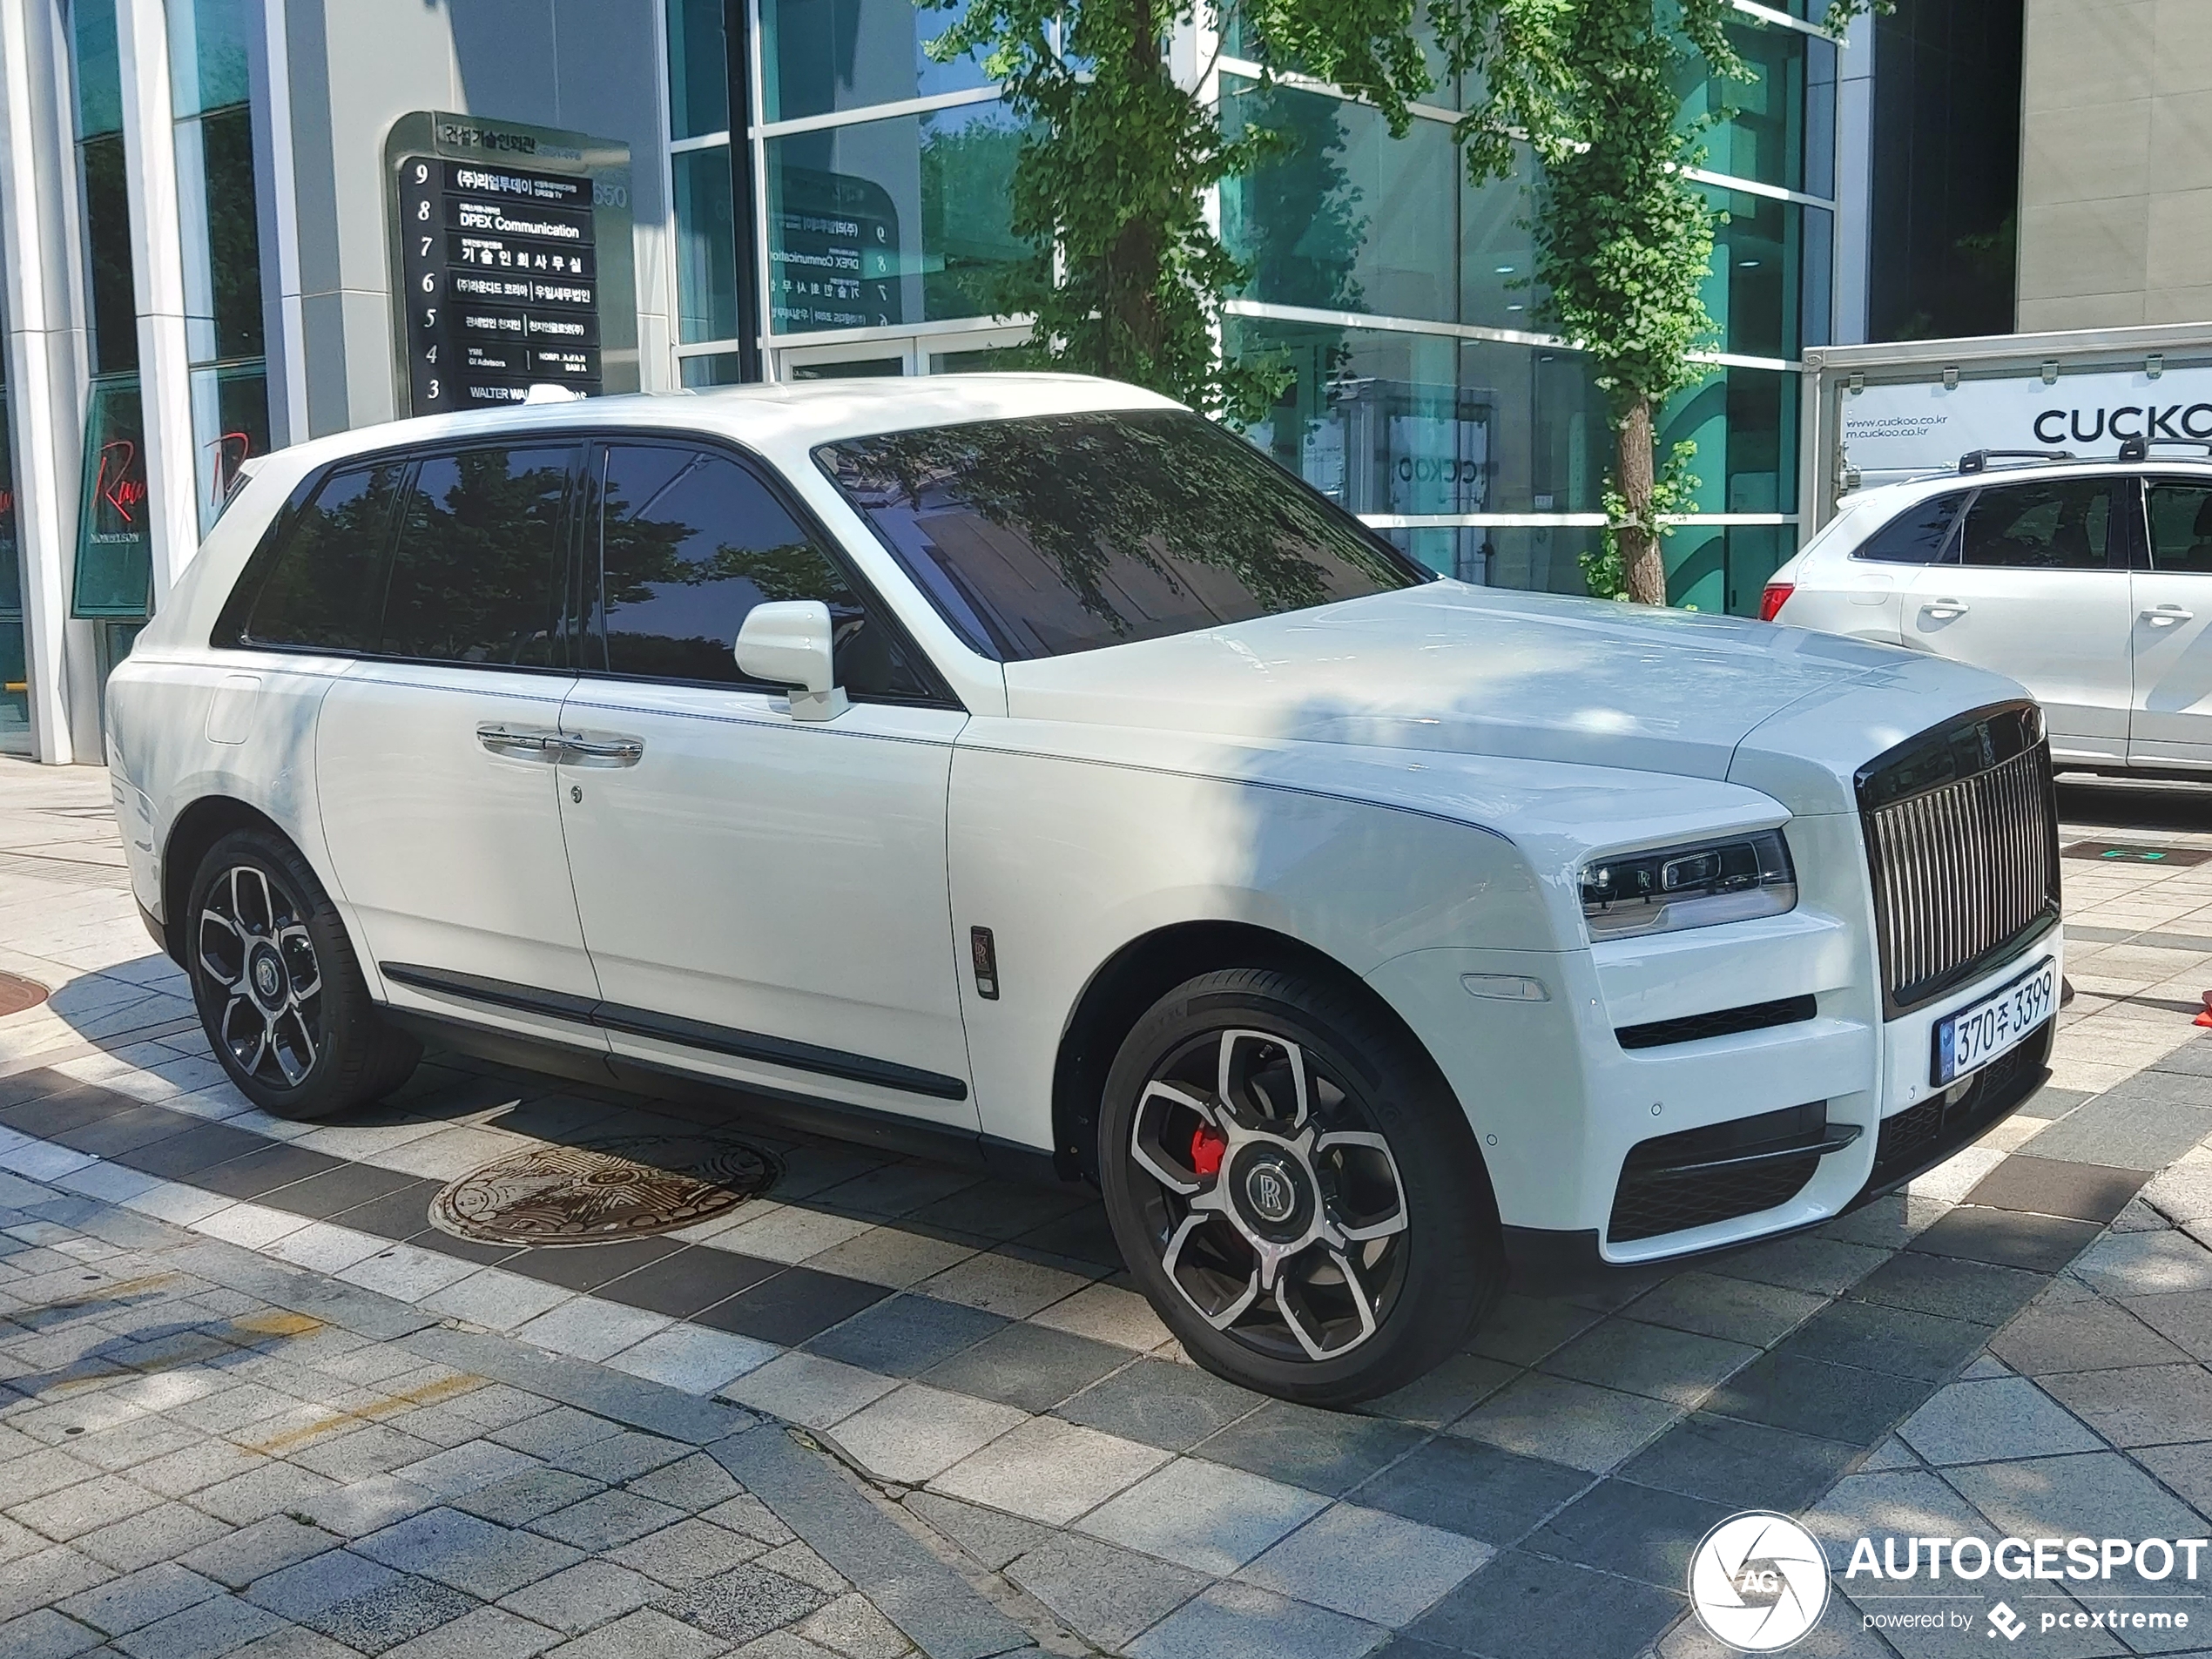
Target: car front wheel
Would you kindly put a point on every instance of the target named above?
(1295, 1188)
(279, 989)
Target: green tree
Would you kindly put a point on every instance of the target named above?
(1124, 276)
(1623, 236)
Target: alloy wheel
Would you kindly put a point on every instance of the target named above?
(1275, 1203)
(252, 944)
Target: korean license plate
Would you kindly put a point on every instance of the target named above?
(1970, 1039)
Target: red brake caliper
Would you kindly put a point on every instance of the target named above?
(1206, 1147)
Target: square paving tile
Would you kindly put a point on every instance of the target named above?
(2041, 1185)
(582, 1596)
(1104, 1593)
(808, 1389)
(2184, 1318)
(606, 1521)
(1642, 1532)
(587, 1328)
(647, 1634)
(1235, 1621)
(916, 1433)
(155, 1592)
(1107, 1313)
(1999, 1417)
(1326, 1452)
(1368, 1564)
(1003, 1284)
(688, 1553)
(1027, 1366)
(2097, 1494)
(1951, 1286)
(1049, 1471)
(1734, 1310)
(400, 1213)
(693, 1358)
(797, 1303)
(1516, 1607)
(2148, 1406)
(1679, 1366)
(2090, 1334)
(1161, 1404)
(904, 1336)
(1473, 1489)
(1808, 1262)
(2147, 1263)
(1813, 1397)
(1202, 1515)
(1570, 1422)
(1446, 1393)
(1751, 1465)
(2128, 1126)
(523, 1498)
(2010, 1239)
(265, 1171)
(684, 1281)
(1894, 1341)
(345, 1188)
(205, 1630)
(1520, 1329)
(467, 1552)
(744, 1603)
(585, 1267)
(397, 1612)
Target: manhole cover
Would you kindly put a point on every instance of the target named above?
(602, 1190)
(2133, 853)
(17, 994)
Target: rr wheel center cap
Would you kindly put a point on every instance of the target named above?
(264, 971)
(1274, 1197)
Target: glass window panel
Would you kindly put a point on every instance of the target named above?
(1916, 535)
(230, 422)
(698, 69)
(107, 236)
(690, 543)
(2058, 524)
(1744, 423)
(222, 236)
(817, 56)
(10, 569)
(988, 359)
(477, 565)
(888, 222)
(114, 564)
(1764, 136)
(1403, 423)
(14, 690)
(322, 588)
(706, 245)
(209, 64)
(1060, 534)
(2181, 528)
(1756, 285)
(99, 76)
(719, 368)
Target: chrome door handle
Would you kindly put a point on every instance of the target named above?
(1944, 610)
(520, 742)
(2167, 615)
(577, 750)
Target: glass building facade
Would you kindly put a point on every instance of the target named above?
(841, 201)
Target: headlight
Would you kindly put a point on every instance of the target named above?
(1689, 887)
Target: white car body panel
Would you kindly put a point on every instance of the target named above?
(1409, 784)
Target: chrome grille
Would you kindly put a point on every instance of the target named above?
(1962, 836)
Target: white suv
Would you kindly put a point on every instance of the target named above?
(2089, 582)
(1023, 768)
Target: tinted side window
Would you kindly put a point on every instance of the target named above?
(321, 589)
(2058, 524)
(478, 568)
(1916, 535)
(2181, 528)
(691, 542)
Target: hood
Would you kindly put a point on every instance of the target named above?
(1452, 668)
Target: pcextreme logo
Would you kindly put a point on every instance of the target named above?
(1758, 1581)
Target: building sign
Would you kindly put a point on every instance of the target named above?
(114, 557)
(511, 260)
(1889, 430)
(835, 255)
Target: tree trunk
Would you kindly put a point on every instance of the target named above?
(1641, 564)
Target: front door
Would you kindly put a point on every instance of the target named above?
(433, 753)
(2172, 723)
(764, 898)
(2036, 588)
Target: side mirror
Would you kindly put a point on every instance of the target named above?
(787, 643)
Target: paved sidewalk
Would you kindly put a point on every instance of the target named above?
(974, 1346)
(204, 1452)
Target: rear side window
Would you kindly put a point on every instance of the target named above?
(478, 568)
(320, 590)
(2053, 524)
(690, 542)
(2181, 528)
(1916, 535)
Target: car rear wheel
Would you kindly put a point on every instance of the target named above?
(1295, 1188)
(279, 989)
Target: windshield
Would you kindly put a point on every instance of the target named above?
(1063, 533)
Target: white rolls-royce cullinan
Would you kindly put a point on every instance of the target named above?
(1025, 766)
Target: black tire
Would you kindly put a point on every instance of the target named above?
(1424, 1285)
(279, 989)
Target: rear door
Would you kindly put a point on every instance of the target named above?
(2036, 585)
(435, 753)
(2172, 720)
